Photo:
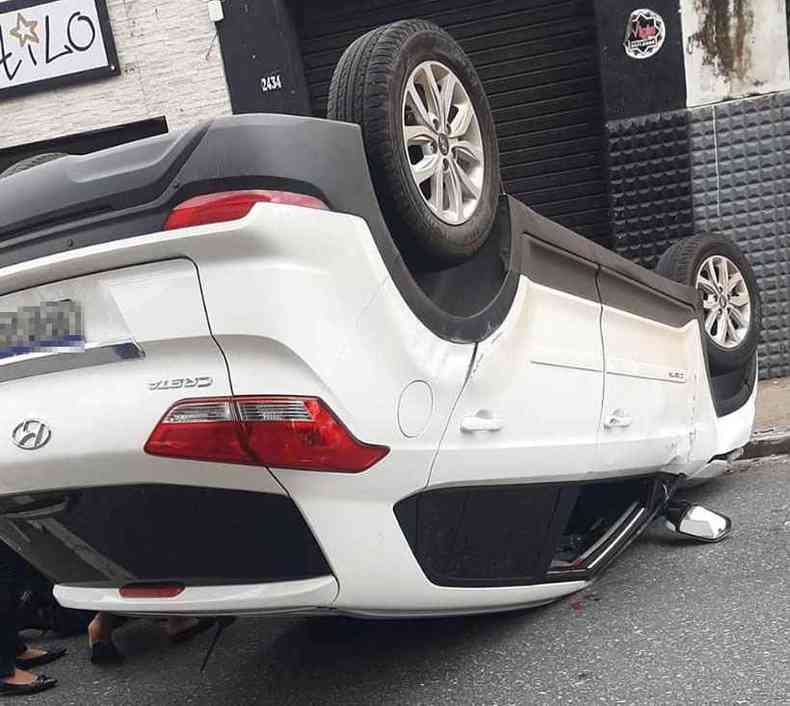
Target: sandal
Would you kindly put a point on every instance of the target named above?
(46, 658)
(105, 652)
(40, 683)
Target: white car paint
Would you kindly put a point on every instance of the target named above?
(541, 374)
(299, 302)
(648, 397)
(278, 598)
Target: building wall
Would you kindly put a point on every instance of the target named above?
(741, 184)
(714, 157)
(171, 66)
(715, 169)
(732, 47)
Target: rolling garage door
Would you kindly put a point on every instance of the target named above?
(538, 61)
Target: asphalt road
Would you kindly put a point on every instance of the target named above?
(669, 623)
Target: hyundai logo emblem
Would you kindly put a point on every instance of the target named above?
(31, 434)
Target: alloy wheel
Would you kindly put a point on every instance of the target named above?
(443, 142)
(726, 301)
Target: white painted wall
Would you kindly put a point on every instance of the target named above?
(755, 57)
(171, 66)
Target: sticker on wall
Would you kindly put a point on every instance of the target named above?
(644, 34)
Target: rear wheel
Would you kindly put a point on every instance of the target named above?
(727, 286)
(429, 136)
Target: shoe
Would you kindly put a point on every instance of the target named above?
(46, 658)
(41, 683)
(105, 652)
(200, 626)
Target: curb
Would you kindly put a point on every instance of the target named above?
(772, 442)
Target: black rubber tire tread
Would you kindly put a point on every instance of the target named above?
(361, 93)
(30, 162)
(681, 262)
(663, 266)
(343, 95)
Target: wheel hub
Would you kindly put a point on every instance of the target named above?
(726, 301)
(443, 142)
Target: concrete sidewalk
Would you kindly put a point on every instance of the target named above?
(772, 427)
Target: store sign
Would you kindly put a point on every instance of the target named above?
(49, 44)
(644, 34)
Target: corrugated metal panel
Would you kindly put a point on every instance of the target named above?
(538, 61)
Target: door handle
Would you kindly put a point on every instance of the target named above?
(618, 418)
(483, 420)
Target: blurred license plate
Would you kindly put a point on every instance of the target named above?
(50, 327)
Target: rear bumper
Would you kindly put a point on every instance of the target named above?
(245, 553)
(734, 430)
(544, 532)
(278, 598)
(108, 537)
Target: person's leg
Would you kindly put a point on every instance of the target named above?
(13, 681)
(21, 646)
(9, 639)
(103, 649)
(101, 627)
(13, 572)
(8, 635)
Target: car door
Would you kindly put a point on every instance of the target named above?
(650, 373)
(531, 405)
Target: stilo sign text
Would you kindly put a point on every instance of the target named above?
(45, 44)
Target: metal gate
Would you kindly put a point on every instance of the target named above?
(538, 61)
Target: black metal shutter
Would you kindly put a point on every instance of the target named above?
(538, 61)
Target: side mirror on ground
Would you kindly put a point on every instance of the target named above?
(696, 521)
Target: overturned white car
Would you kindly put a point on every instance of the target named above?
(277, 364)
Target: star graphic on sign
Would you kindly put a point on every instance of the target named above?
(25, 30)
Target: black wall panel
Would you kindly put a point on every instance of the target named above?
(651, 186)
(263, 66)
(716, 169)
(640, 86)
(538, 60)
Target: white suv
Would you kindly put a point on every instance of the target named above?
(277, 364)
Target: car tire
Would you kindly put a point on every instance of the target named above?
(30, 162)
(438, 187)
(727, 285)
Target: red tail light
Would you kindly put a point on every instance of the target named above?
(231, 205)
(284, 432)
(151, 590)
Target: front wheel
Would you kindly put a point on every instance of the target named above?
(730, 297)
